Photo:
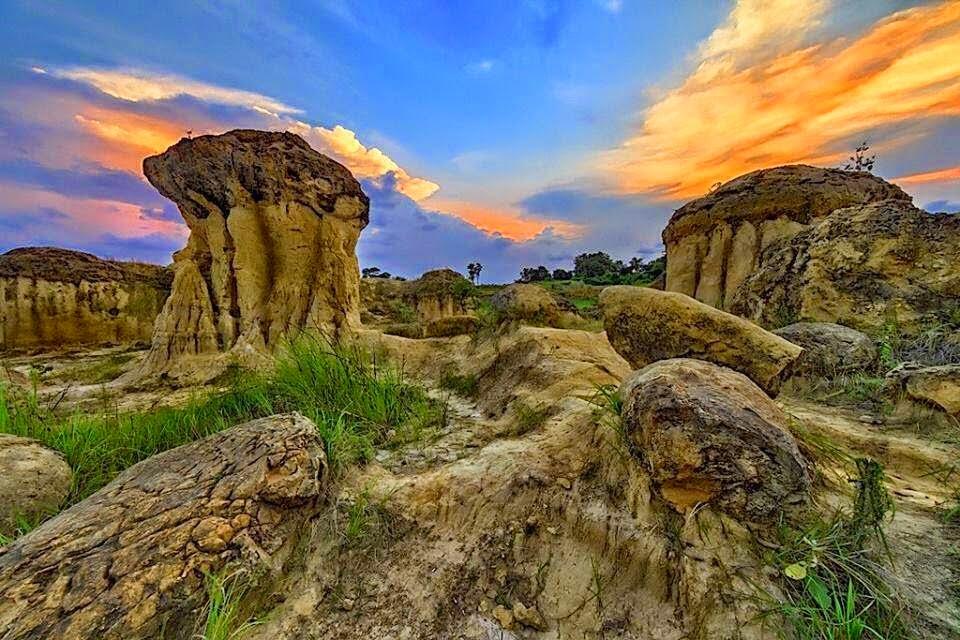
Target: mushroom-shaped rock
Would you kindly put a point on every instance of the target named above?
(273, 228)
(34, 480)
(829, 349)
(523, 302)
(707, 434)
(129, 561)
(645, 325)
(938, 386)
(713, 243)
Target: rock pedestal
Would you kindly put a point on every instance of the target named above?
(273, 229)
(713, 243)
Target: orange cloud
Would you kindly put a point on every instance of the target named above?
(364, 162)
(735, 113)
(941, 175)
(507, 223)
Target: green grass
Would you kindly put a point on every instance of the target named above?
(367, 520)
(526, 418)
(224, 618)
(463, 385)
(357, 402)
(834, 581)
(97, 372)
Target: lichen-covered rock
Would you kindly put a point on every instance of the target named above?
(451, 326)
(707, 434)
(531, 303)
(862, 266)
(273, 228)
(937, 386)
(129, 561)
(53, 298)
(713, 243)
(34, 480)
(646, 325)
(829, 349)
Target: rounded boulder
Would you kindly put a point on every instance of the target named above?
(707, 434)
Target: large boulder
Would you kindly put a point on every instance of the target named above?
(646, 325)
(531, 303)
(34, 480)
(54, 298)
(937, 386)
(450, 326)
(863, 266)
(713, 243)
(129, 561)
(707, 434)
(829, 349)
(273, 229)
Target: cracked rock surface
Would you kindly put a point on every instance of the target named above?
(129, 561)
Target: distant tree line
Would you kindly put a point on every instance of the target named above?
(599, 268)
(375, 272)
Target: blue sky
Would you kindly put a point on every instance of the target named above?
(514, 133)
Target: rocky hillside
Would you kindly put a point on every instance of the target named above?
(55, 298)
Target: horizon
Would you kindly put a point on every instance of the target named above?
(497, 132)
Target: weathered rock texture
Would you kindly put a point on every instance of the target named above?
(532, 303)
(34, 480)
(646, 325)
(707, 434)
(437, 294)
(829, 349)
(273, 228)
(937, 386)
(128, 562)
(52, 298)
(715, 242)
(451, 326)
(863, 266)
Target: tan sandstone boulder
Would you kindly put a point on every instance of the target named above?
(273, 228)
(129, 561)
(646, 325)
(450, 326)
(829, 349)
(531, 303)
(707, 434)
(937, 386)
(54, 298)
(34, 480)
(863, 266)
(715, 242)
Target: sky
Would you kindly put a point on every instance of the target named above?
(513, 133)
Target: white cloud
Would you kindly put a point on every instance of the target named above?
(137, 85)
(481, 67)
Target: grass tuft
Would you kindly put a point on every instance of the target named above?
(835, 586)
(224, 618)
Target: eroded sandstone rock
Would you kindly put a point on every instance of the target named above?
(645, 325)
(938, 386)
(863, 266)
(829, 349)
(707, 434)
(713, 243)
(437, 294)
(34, 480)
(451, 326)
(532, 303)
(128, 561)
(273, 228)
(54, 298)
